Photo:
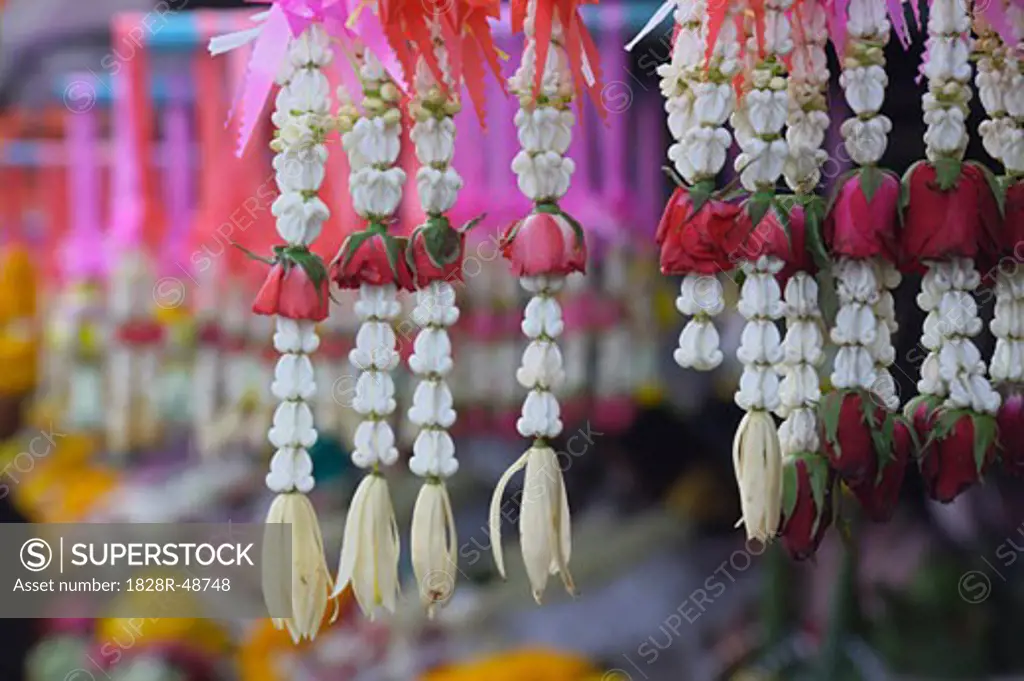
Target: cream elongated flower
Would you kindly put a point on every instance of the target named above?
(544, 522)
(434, 544)
(369, 554)
(757, 460)
(310, 586)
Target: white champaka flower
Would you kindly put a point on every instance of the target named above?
(434, 545)
(306, 596)
(757, 461)
(544, 521)
(370, 548)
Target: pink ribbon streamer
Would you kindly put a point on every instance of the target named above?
(347, 20)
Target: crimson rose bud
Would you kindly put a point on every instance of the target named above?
(942, 224)
(698, 244)
(858, 228)
(877, 497)
(852, 453)
(805, 526)
(948, 465)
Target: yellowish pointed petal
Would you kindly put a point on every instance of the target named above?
(494, 521)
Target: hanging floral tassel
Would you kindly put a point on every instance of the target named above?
(543, 248)
(999, 81)
(807, 478)
(699, 99)
(863, 437)
(758, 123)
(295, 293)
(949, 216)
(435, 257)
(373, 262)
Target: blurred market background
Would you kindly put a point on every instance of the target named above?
(114, 105)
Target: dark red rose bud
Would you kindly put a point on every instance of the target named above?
(806, 504)
(957, 456)
(879, 497)
(1011, 434)
(848, 419)
(773, 237)
(701, 243)
(942, 222)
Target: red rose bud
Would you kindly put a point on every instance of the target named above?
(847, 419)
(1011, 433)
(364, 260)
(807, 504)
(859, 228)
(430, 268)
(954, 460)
(698, 244)
(544, 243)
(772, 237)
(941, 224)
(879, 497)
(289, 292)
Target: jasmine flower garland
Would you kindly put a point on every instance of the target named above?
(373, 261)
(435, 256)
(296, 294)
(867, 319)
(803, 344)
(543, 248)
(758, 123)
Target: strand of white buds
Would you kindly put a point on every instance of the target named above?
(434, 542)
(757, 455)
(997, 68)
(1007, 326)
(882, 350)
(808, 100)
(370, 548)
(864, 80)
(948, 70)
(302, 105)
(545, 131)
(934, 286)
(856, 327)
(803, 353)
(807, 124)
(125, 303)
(763, 111)
(960, 364)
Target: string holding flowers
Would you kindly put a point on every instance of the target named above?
(559, 63)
